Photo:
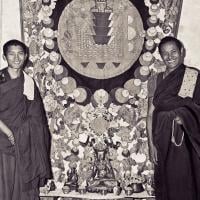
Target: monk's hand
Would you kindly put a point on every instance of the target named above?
(11, 138)
(153, 154)
(178, 120)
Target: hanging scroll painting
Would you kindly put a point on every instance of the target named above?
(92, 60)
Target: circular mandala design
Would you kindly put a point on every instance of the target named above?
(100, 39)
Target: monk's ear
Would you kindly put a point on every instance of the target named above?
(4, 58)
(183, 52)
(26, 56)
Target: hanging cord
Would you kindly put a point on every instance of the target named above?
(173, 138)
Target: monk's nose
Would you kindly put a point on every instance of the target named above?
(17, 58)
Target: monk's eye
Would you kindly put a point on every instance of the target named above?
(10, 54)
(174, 53)
(21, 53)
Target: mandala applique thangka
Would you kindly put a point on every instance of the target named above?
(100, 39)
(93, 61)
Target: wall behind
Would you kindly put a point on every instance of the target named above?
(10, 23)
(189, 31)
(1, 10)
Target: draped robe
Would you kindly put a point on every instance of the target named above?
(25, 165)
(177, 174)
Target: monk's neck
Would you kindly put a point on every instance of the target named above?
(168, 71)
(14, 73)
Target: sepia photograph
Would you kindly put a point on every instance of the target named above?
(99, 99)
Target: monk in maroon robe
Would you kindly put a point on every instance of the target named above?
(175, 145)
(24, 134)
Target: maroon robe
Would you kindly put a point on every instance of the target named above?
(177, 174)
(25, 165)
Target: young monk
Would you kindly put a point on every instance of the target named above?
(24, 134)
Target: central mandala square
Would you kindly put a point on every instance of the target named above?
(100, 39)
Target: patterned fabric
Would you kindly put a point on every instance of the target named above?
(28, 87)
(189, 83)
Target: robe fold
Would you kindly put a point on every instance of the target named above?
(26, 165)
(177, 174)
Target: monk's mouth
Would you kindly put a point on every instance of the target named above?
(171, 61)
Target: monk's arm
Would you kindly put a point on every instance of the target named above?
(4, 128)
(152, 149)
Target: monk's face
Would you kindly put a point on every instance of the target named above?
(15, 57)
(171, 55)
